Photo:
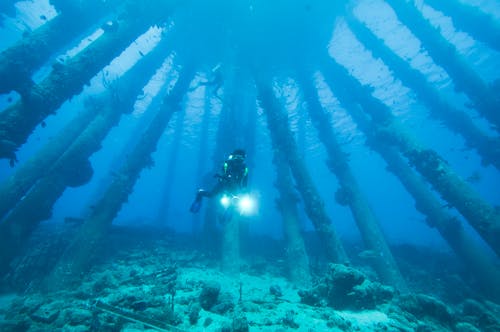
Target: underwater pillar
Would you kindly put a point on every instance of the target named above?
(297, 259)
(223, 144)
(27, 174)
(455, 120)
(66, 80)
(171, 169)
(19, 62)
(349, 193)
(202, 153)
(486, 102)
(141, 122)
(465, 247)
(283, 140)
(480, 215)
(476, 259)
(230, 259)
(72, 167)
(229, 138)
(77, 257)
(472, 20)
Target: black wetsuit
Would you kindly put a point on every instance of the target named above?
(233, 180)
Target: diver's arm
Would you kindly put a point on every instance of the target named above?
(244, 180)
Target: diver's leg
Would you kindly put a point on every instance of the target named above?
(196, 205)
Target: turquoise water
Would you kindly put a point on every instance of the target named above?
(337, 104)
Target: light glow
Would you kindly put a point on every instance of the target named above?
(225, 201)
(246, 205)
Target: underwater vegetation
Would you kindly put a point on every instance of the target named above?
(341, 159)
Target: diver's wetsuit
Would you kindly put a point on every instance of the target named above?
(234, 178)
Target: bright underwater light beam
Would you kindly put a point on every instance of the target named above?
(225, 201)
(246, 205)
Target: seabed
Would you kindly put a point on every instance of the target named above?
(161, 281)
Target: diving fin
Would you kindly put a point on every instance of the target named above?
(196, 206)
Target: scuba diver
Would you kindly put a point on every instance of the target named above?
(233, 181)
(216, 81)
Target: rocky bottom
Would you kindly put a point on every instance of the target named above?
(165, 287)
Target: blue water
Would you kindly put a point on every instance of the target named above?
(235, 39)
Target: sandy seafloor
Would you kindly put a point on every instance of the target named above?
(132, 283)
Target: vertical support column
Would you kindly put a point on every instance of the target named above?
(76, 258)
(297, 259)
(457, 121)
(19, 183)
(450, 228)
(72, 167)
(232, 136)
(202, 152)
(480, 215)
(210, 233)
(231, 260)
(18, 63)
(171, 169)
(283, 140)
(142, 121)
(18, 121)
(446, 55)
(349, 191)
(471, 20)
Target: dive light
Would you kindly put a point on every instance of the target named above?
(245, 203)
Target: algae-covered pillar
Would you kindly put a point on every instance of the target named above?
(27, 174)
(141, 122)
(72, 167)
(460, 241)
(445, 54)
(210, 234)
(68, 79)
(171, 169)
(456, 120)
(472, 20)
(297, 259)
(349, 192)
(232, 136)
(480, 215)
(77, 257)
(202, 152)
(19, 62)
(284, 141)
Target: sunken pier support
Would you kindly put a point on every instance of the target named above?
(471, 20)
(297, 259)
(20, 182)
(171, 170)
(480, 215)
(66, 80)
(77, 257)
(72, 167)
(486, 102)
(457, 121)
(283, 141)
(19, 62)
(229, 138)
(231, 260)
(450, 228)
(349, 193)
(210, 233)
(202, 154)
